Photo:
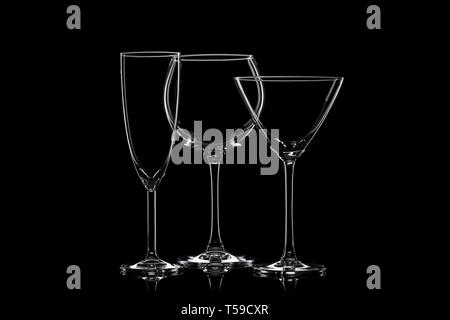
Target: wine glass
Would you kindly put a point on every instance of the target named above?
(297, 107)
(147, 80)
(210, 103)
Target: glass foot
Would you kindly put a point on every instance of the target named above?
(154, 268)
(295, 269)
(215, 261)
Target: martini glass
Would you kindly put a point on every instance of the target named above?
(209, 105)
(147, 79)
(297, 106)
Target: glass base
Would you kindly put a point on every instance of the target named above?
(295, 269)
(154, 268)
(215, 261)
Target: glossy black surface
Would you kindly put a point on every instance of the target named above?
(347, 203)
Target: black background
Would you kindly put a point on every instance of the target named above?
(347, 203)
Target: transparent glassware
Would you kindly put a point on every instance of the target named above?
(296, 106)
(208, 99)
(147, 80)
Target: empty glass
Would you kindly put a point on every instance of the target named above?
(209, 103)
(148, 80)
(297, 106)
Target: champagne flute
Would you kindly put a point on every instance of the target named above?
(147, 79)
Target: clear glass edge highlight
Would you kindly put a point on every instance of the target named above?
(289, 78)
(150, 54)
(215, 57)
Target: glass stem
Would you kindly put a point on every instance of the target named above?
(151, 225)
(215, 242)
(289, 255)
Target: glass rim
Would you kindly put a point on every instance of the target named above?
(215, 57)
(150, 54)
(289, 78)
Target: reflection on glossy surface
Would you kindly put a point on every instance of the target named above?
(285, 271)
